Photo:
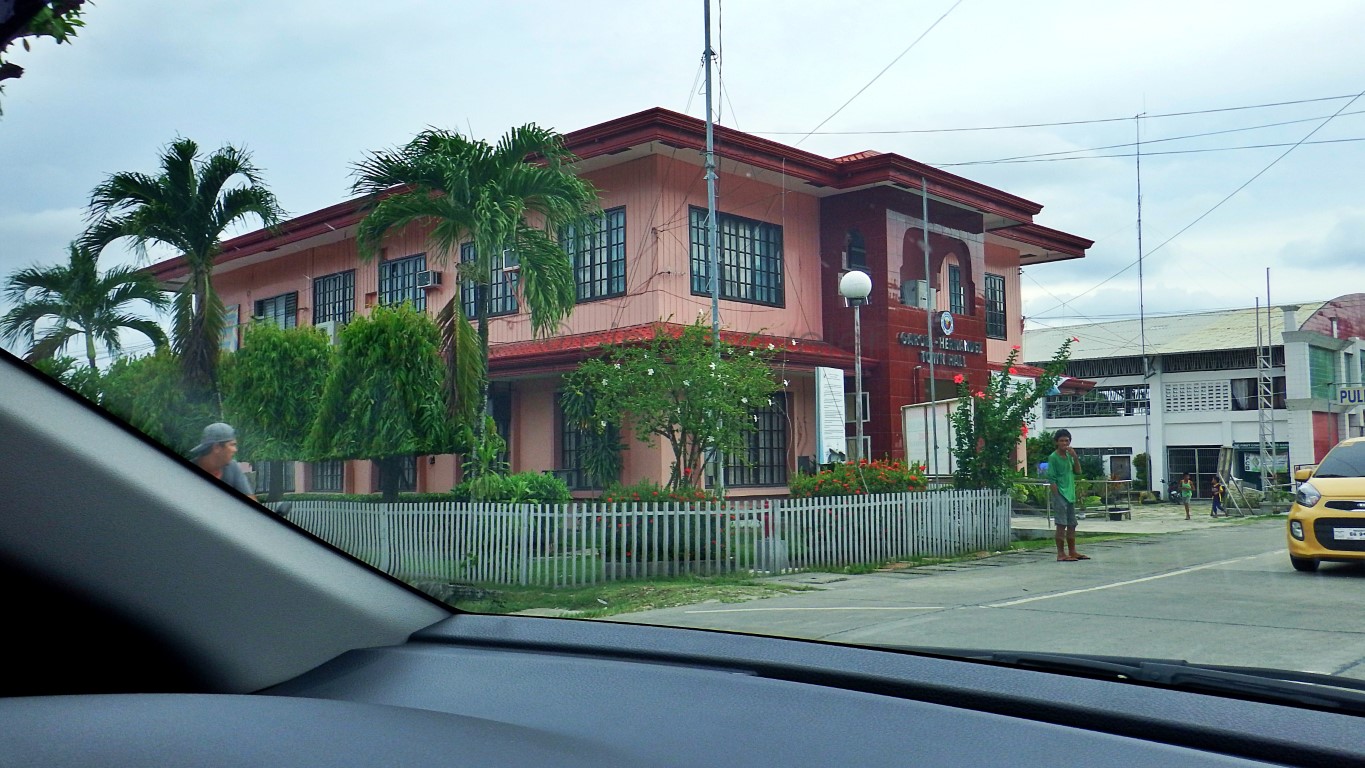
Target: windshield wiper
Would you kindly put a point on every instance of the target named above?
(1276, 685)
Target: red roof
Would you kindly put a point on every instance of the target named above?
(560, 353)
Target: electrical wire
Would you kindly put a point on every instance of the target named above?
(879, 74)
(1167, 152)
(1056, 124)
(1217, 205)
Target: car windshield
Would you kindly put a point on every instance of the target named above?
(783, 319)
(1343, 461)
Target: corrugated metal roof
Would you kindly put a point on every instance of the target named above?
(1166, 334)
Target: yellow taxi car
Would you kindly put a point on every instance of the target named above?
(1327, 521)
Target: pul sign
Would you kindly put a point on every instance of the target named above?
(1351, 396)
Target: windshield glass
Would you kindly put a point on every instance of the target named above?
(1343, 461)
(955, 324)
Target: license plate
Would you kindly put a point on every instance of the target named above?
(1348, 534)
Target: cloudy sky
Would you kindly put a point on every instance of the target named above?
(310, 86)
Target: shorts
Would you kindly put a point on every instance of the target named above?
(1063, 511)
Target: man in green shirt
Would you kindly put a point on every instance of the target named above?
(1062, 467)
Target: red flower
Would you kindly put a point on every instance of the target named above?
(1015, 347)
(979, 394)
(1074, 338)
(958, 379)
(1013, 371)
(1023, 430)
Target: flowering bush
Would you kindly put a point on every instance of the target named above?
(862, 477)
(990, 420)
(648, 490)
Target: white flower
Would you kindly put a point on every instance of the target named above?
(785, 382)
(770, 401)
(618, 366)
(744, 400)
(649, 372)
(686, 383)
(605, 382)
(771, 347)
(713, 366)
(751, 352)
(755, 417)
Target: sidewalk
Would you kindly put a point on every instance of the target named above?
(1146, 518)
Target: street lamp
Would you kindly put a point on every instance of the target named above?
(855, 287)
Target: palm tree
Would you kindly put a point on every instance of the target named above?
(187, 206)
(78, 301)
(513, 196)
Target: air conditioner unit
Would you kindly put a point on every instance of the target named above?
(428, 279)
(330, 328)
(917, 293)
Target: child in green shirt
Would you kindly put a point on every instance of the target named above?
(1062, 467)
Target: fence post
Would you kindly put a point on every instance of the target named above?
(525, 571)
(385, 538)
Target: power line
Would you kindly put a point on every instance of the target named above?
(1153, 154)
(1150, 141)
(1220, 203)
(1050, 125)
(879, 74)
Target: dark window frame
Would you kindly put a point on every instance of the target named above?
(768, 447)
(407, 481)
(505, 274)
(598, 256)
(398, 281)
(327, 476)
(957, 292)
(334, 297)
(996, 316)
(751, 259)
(274, 309)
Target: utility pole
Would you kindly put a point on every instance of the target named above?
(712, 240)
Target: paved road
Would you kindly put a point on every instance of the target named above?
(1219, 595)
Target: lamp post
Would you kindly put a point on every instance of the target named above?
(855, 287)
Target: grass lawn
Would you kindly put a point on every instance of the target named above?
(601, 600)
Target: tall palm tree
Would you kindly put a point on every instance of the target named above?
(513, 196)
(78, 301)
(187, 206)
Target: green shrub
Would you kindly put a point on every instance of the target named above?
(518, 488)
(857, 478)
(647, 490)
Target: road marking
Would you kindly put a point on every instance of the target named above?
(1180, 572)
(830, 608)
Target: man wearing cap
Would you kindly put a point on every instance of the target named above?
(214, 455)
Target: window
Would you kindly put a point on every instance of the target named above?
(855, 251)
(995, 307)
(398, 281)
(1198, 396)
(1200, 461)
(1099, 368)
(1322, 371)
(1246, 395)
(263, 475)
(1131, 400)
(599, 257)
(334, 297)
(407, 475)
(750, 259)
(282, 310)
(327, 476)
(573, 442)
(957, 296)
(765, 461)
(232, 329)
(502, 284)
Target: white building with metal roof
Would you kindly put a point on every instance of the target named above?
(1195, 387)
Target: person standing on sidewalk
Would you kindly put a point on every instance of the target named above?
(1186, 493)
(1062, 467)
(1216, 491)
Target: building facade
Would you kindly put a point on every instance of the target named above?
(1195, 395)
(790, 222)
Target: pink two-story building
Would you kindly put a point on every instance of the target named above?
(791, 223)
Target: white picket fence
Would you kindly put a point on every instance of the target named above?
(588, 543)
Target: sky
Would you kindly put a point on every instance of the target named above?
(309, 87)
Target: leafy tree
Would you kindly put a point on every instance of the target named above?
(1038, 447)
(84, 380)
(28, 19)
(187, 206)
(383, 399)
(272, 388)
(674, 388)
(77, 300)
(510, 197)
(991, 418)
(147, 392)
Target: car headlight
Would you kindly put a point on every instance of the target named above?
(1307, 495)
(1296, 529)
